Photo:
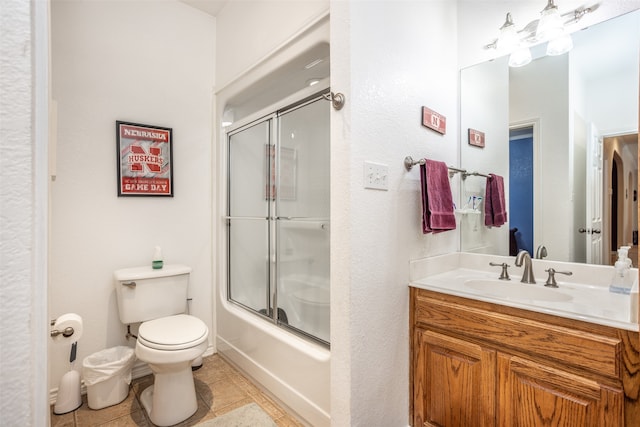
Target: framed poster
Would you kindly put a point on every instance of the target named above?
(144, 160)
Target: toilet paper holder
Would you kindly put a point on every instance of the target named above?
(66, 332)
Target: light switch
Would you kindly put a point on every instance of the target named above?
(376, 176)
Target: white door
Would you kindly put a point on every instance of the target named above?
(593, 232)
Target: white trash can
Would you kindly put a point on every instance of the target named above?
(107, 375)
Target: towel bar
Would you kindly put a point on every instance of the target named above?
(409, 163)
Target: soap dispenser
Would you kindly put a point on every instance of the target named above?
(621, 283)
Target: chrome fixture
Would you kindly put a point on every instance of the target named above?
(541, 252)
(551, 27)
(66, 332)
(504, 275)
(409, 163)
(527, 275)
(551, 280)
(337, 99)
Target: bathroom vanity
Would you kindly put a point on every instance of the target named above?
(529, 357)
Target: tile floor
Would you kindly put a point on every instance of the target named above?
(219, 386)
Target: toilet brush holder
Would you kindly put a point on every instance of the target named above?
(69, 398)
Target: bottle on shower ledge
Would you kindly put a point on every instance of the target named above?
(157, 261)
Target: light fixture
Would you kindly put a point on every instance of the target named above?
(550, 25)
(227, 117)
(560, 45)
(313, 81)
(313, 63)
(508, 38)
(508, 41)
(520, 57)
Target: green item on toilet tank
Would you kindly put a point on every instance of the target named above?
(156, 263)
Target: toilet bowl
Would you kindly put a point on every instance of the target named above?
(169, 345)
(168, 339)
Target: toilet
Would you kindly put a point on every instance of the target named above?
(168, 339)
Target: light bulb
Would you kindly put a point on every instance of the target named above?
(550, 25)
(520, 57)
(560, 45)
(508, 38)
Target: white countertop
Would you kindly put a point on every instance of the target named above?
(582, 296)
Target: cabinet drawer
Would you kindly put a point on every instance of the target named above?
(588, 351)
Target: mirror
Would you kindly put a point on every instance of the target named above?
(563, 132)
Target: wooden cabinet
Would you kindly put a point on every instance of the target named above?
(455, 381)
(533, 394)
(481, 364)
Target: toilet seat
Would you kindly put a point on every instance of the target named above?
(173, 332)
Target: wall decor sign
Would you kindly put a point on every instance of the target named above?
(434, 120)
(144, 160)
(476, 138)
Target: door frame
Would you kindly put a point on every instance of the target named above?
(538, 200)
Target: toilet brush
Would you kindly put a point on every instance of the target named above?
(69, 398)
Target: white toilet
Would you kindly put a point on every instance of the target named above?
(168, 339)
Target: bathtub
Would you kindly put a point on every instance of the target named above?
(292, 369)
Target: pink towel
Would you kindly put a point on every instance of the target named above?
(495, 211)
(437, 201)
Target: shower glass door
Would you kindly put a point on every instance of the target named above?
(302, 226)
(249, 212)
(278, 218)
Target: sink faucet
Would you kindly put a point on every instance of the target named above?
(527, 276)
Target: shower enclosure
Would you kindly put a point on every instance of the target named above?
(278, 217)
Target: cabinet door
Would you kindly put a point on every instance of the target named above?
(454, 382)
(532, 395)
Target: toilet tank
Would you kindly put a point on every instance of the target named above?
(144, 293)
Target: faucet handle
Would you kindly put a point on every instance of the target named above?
(551, 280)
(504, 275)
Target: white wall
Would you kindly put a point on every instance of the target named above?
(389, 59)
(249, 30)
(146, 62)
(23, 209)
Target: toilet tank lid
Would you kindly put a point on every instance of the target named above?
(146, 272)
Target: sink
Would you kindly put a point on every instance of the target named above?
(517, 291)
